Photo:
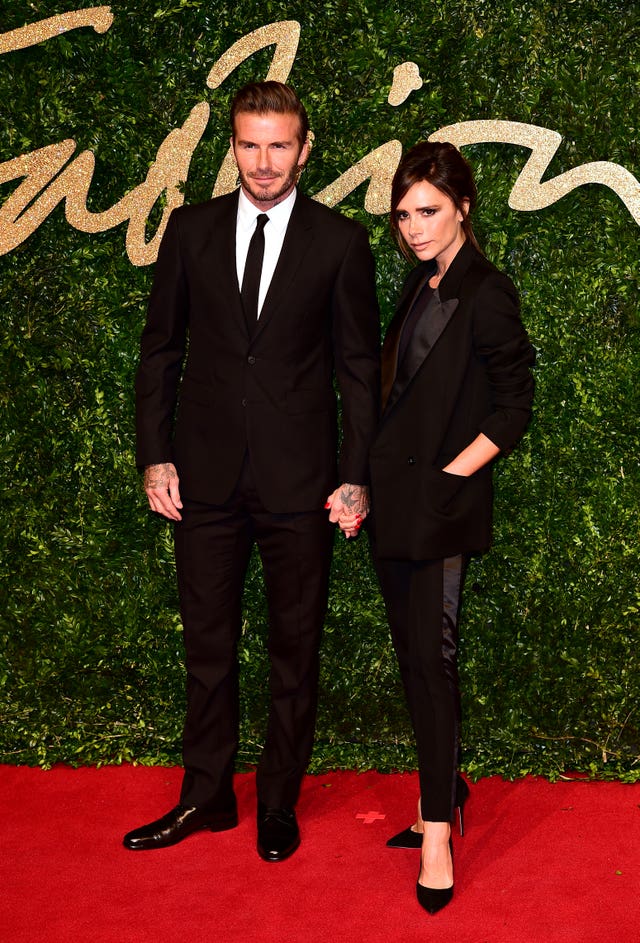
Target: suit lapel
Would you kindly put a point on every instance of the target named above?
(440, 309)
(295, 247)
(222, 247)
(425, 337)
(413, 287)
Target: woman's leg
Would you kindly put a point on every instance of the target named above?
(434, 606)
(423, 602)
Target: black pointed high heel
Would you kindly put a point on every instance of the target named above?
(434, 899)
(409, 838)
(406, 839)
(462, 794)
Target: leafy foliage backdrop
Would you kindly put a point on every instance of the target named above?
(91, 655)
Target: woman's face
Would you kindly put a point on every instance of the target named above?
(430, 223)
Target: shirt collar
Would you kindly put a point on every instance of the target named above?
(278, 214)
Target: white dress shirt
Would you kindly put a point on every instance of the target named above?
(274, 232)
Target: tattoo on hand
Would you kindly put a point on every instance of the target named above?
(355, 498)
(159, 476)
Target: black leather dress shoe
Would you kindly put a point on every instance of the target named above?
(176, 825)
(278, 834)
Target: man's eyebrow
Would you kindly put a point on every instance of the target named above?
(270, 144)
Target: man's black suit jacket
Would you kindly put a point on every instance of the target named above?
(209, 386)
(467, 370)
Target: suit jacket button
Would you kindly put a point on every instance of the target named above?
(244, 402)
(411, 460)
(251, 359)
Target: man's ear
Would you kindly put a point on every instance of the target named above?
(306, 150)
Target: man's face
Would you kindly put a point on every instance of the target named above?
(268, 155)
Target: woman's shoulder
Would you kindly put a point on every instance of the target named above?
(482, 275)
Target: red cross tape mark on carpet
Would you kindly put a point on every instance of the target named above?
(369, 817)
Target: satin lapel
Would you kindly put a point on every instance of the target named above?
(295, 247)
(392, 338)
(432, 324)
(425, 337)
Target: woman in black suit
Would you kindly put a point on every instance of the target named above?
(457, 392)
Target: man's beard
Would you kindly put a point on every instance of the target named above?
(275, 190)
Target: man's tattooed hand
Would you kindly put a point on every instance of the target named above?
(355, 499)
(162, 486)
(159, 476)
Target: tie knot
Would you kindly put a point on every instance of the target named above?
(261, 221)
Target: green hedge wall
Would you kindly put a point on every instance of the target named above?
(91, 655)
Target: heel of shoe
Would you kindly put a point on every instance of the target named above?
(462, 794)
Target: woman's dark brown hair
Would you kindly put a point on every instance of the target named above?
(443, 166)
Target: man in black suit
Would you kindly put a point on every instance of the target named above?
(260, 297)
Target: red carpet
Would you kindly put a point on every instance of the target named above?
(539, 863)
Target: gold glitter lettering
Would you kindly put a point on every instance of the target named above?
(20, 217)
(285, 35)
(38, 168)
(51, 177)
(528, 192)
(100, 18)
(406, 79)
(379, 165)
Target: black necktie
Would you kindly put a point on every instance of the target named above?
(253, 271)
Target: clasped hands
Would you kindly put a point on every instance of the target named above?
(348, 505)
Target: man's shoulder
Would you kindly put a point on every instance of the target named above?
(207, 210)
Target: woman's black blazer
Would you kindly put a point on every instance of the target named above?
(467, 370)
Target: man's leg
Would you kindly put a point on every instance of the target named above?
(212, 551)
(213, 546)
(296, 557)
